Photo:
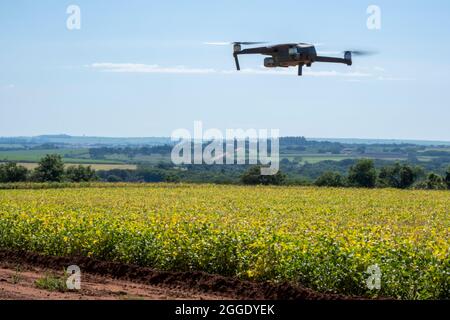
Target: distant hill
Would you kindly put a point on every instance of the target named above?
(384, 141)
(86, 141)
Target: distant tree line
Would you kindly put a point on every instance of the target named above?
(363, 174)
(50, 169)
(130, 152)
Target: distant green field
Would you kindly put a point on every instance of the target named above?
(69, 155)
(95, 166)
(36, 155)
(316, 158)
(11, 146)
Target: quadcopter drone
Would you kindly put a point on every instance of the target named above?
(289, 55)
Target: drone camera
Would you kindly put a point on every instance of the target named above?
(269, 63)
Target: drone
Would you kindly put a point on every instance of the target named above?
(290, 55)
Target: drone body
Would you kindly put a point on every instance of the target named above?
(288, 55)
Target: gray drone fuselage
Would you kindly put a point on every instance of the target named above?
(289, 55)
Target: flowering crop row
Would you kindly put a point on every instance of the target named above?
(322, 238)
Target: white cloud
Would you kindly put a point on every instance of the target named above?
(379, 69)
(388, 78)
(145, 68)
(8, 86)
(217, 43)
(309, 73)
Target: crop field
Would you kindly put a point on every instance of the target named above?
(69, 155)
(324, 239)
(95, 166)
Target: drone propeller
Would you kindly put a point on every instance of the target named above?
(362, 53)
(233, 43)
(249, 43)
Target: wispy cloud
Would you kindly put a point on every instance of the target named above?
(217, 43)
(145, 68)
(358, 73)
(389, 78)
(293, 72)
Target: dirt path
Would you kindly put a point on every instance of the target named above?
(116, 281)
(16, 285)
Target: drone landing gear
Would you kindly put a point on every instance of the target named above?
(236, 60)
(300, 70)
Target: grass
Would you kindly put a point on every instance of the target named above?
(51, 282)
(69, 156)
(16, 277)
(36, 155)
(95, 166)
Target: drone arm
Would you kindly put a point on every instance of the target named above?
(261, 50)
(334, 60)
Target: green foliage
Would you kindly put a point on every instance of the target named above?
(330, 179)
(50, 169)
(321, 238)
(447, 178)
(397, 176)
(11, 172)
(433, 182)
(363, 174)
(80, 174)
(407, 177)
(113, 178)
(253, 176)
(51, 283)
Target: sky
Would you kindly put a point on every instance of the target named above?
(142, 68)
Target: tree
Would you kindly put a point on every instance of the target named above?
(397, 176)
(253, 177)
(407, 176)
(81, 174)
(330, 179)
(435, 182)
(361, 149)
(113, 178)
(11, 172)
(50, 169)
(363, 174)
(447, 178)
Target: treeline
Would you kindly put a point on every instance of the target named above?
(166, 172)
(361, 174)
(402, 176)
(130, 152)
(50, 169)
(288, 143)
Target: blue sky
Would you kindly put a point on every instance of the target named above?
(141, 68)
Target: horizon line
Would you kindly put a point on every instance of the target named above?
(62, 135)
